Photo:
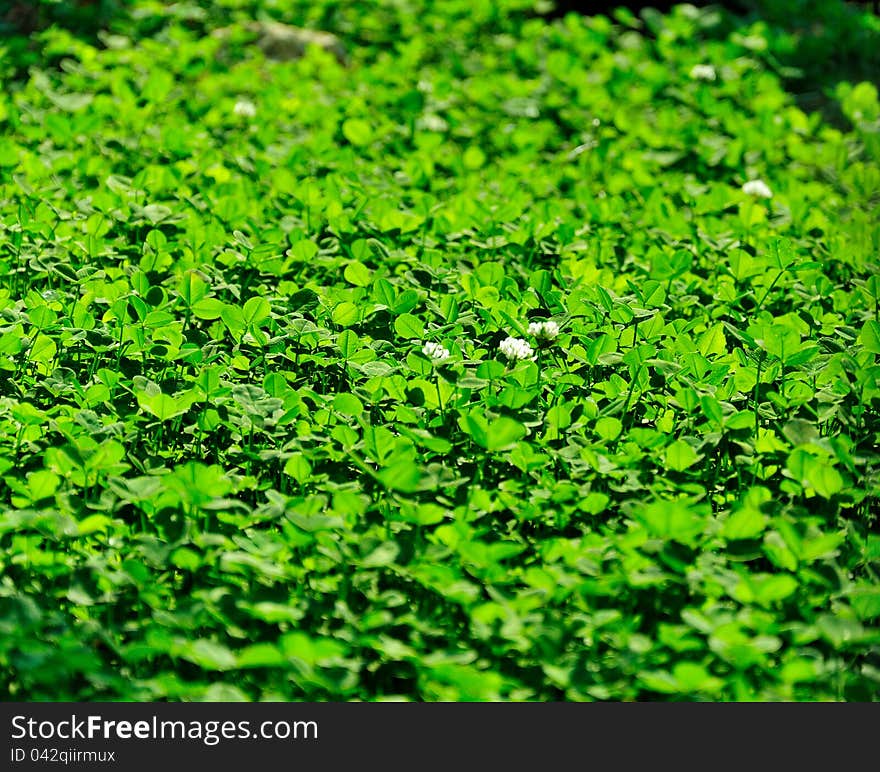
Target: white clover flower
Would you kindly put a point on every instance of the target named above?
(435, 352)
(245, 108)
(544, 330)
(757, 188)
(516, 348)
(703, 72)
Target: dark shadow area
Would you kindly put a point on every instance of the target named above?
(22, 20)
(812, 44)
(594, 7)
(82, 17)
(818, 44)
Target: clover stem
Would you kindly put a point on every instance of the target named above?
(769, 289)
(439, 397)
(749, 206)
(755, 398)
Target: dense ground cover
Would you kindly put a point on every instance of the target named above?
(231, 468)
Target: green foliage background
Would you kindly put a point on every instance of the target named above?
(228, 472)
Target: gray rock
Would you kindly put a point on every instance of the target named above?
(284, 42)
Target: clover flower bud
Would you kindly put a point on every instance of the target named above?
(703, 72)
(245, 108)
(435, 352)
(516, 348)
(757, 188)
(544, 331)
